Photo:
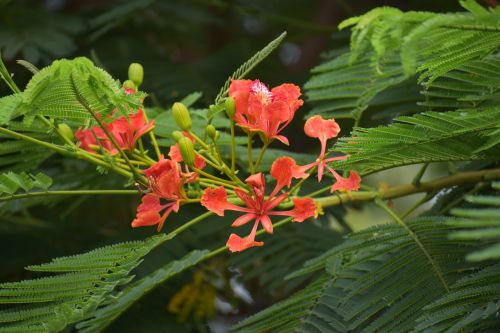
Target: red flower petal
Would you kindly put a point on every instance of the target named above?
(284, 169)
(304, 208)
(243, 219)
(160, 167)
(317, 127)
(266, 224)
(260, 110)
(352, 183)
(237, 244)
(215, 200)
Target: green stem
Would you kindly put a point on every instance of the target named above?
(415, 238)
(261, 155)
(67, 192)
(420, 174)
(419, 203)
(215, 178)
(250, 159)
(79, 154)
(154, 142)
(233, 148)
(144, 158)
(192, 222)
(110, 136)
(4, 73)
(223, 168)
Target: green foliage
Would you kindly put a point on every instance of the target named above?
(120, 302)
(471, 305)
(293, 246)
(480, 224)
(389, 46)
(345, 89)
(378, 280)
(58, 91)
(426, 137)
(11, 182)
(79, 285)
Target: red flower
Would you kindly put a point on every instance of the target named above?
(165, 181)
(284, 169)
(352, 183)
(125, 131)
(265, 111)
(258, 207)
(317, 127)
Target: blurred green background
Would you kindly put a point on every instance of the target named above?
(184, 46)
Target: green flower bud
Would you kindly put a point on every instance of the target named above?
(128, 84)
(181, 116)
(186, 148)
(177, 135)
(136, 73)
(66, 131)
(230, 107)
(211, 131)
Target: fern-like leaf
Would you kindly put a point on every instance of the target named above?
(81, 283)
(427, 137)
(11, 182)
(480, 224)
(119, 303)
(378, 280)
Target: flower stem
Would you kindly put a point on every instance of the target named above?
(192, 222)
(154, 142)
(250, 159)
(110, 136)
(4, 73)
(212, 177)
(80, 154)
(233, 148)
(261, 155)
(66, 193)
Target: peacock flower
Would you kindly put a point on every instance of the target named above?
(166, 184)
(264, 111)
(125, 131)
(325, 129)
(258, 207)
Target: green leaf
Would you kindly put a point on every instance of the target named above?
(427, 137)
(123, 300)
(481, 224)
(378, 280)
(78, 285)
(12, 182)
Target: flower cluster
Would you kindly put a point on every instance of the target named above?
(258, 207)
(125, 131)
(196, 172)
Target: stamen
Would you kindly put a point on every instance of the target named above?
(258, 88)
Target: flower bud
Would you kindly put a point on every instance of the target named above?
(177, 135)
(181, 116)
(136, 73)
(230, 107)
(66, 131)
(129, 87)
(186, 148)
(211, 131)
